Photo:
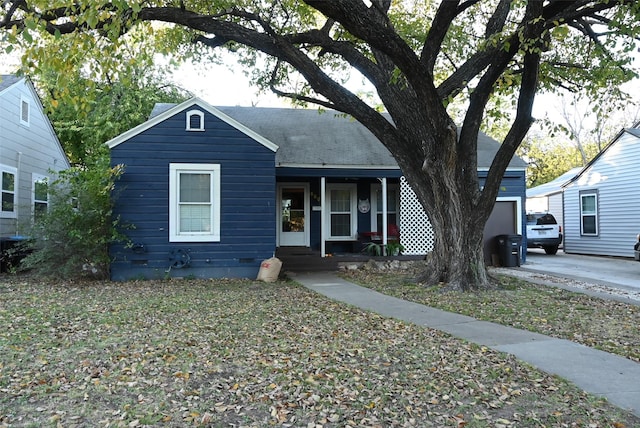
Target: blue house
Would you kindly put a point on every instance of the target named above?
(211, 192)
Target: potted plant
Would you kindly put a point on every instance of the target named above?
(373, 249)
(394, 248)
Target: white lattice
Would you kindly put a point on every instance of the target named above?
(415, 229)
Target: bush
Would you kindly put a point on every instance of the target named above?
(71, 239)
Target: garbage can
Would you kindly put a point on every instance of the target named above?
(509, 249)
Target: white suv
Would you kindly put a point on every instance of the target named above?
(543, 231)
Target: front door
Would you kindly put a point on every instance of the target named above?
(293, 215)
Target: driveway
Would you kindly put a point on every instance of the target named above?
(594, 274)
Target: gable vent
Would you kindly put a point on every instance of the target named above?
(195, 120)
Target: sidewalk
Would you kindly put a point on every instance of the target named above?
(597, 372)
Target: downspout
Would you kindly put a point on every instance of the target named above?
(323, 215)
(17, 192)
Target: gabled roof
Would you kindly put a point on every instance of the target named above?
(327, 139)
(7, 80)
(554, 186)
(635, 131)
(171, 109)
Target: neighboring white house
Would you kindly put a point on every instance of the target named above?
(30, 154)
(602, 202)
(548, 197)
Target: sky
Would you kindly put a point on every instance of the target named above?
(220, 86)
(224, 85)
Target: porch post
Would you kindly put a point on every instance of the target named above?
(323, 191)
(384, 216)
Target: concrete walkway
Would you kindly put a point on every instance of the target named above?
(597, 372)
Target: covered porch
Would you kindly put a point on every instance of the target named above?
(335, 212)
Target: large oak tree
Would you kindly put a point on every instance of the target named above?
(421, 57)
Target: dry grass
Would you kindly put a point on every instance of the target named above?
(608, 325)
(247, 354)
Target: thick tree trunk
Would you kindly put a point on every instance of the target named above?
(450, 194)
(457, 260)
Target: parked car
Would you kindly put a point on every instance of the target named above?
(636, 248)
(543, 231)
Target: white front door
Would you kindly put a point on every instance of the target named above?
(293, 215)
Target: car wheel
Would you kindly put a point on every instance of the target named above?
(551, 250)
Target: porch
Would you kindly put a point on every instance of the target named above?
(305, 259)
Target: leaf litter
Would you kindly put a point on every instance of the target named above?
(216, 353)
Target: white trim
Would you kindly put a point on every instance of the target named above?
(353, 210)
(14, 171)
(518, 201)
(323, 216)
(307, 211)
(38, 104)
(584, 194)
(25, 102)
(374, 203)
(189, 115)
(8, 88)
(34, 179)
(185, 105)
(174, 170)
(330, 166)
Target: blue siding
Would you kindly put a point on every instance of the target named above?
(248, 198)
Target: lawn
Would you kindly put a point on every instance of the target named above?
(247, 354)
(608, 325)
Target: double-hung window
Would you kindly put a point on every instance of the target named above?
(342, 218)
(40, 196)
(9, 188)
(589, 213)
(194, 202)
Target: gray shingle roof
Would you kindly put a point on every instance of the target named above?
(7, 80)
(308, 137)
(553, 186)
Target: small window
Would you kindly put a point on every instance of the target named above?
(9, 190)
(194, 202)
(195, 120)
(589, 214)
(40, 196)
(25, 108)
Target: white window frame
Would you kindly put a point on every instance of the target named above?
(192, 113)
(14, 192)
(374, 204)
(593, 214)
(353, 211)
(175, 235)
(25, 102)
(38, 178)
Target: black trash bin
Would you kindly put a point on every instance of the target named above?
(509, 249)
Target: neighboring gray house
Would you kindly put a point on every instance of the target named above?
(602, 202)
(548, 197)
(30, 153)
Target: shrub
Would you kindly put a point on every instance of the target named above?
(71, 239)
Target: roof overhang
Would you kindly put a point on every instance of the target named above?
(184, 106)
